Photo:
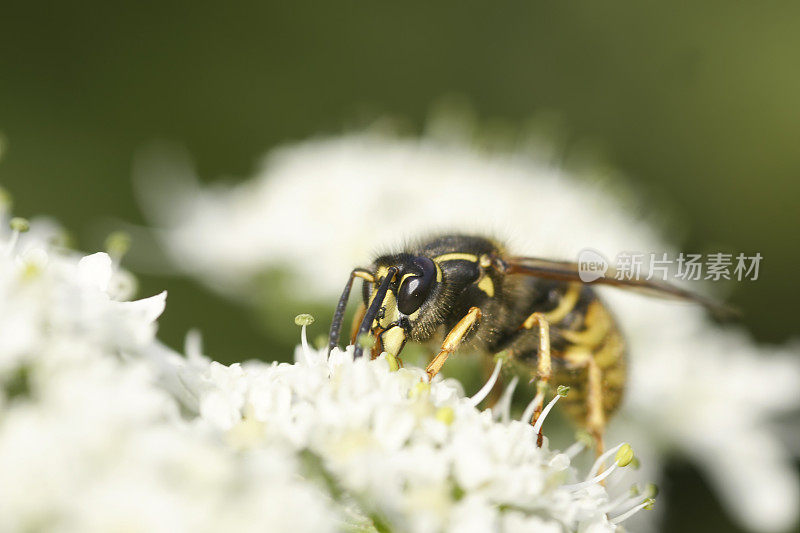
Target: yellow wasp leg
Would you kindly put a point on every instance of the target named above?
(595, 419)
(544, 365)
(362, 309)
(452, 340)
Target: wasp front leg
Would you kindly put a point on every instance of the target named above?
(453, 340)
(359, 316)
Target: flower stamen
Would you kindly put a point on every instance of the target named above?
(304, 320)
(502, 409)
(18, 225)
(488, 386)
(626, 500)
(561, 392)
(117, 245)
(591, 481)
(598, 464)
(574, 449)
(646, 504)
(527, 414)
(193, 345)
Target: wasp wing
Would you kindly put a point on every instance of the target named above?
(569, 271)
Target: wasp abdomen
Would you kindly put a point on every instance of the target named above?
(581, 330)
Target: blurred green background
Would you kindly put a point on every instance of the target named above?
(696, 103)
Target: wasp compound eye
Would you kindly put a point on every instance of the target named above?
(416, 288)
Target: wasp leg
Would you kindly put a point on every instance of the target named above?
(593, 416)
(543, 366)
(452, 340)
(362, 309)
(595, 419)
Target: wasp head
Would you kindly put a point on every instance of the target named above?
(411, 284)
(412, 294)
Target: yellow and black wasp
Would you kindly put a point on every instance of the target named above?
(466, 289)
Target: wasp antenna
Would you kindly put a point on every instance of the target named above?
(372, 311)
(338, 315)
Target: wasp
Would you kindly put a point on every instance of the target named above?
(467, 290)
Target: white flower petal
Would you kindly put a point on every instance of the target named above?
(95, 270)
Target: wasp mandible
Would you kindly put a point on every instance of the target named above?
(468, 289)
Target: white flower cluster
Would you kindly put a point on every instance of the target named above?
(103, 429)
(708, 393)
(90, 442)
(412, 455)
